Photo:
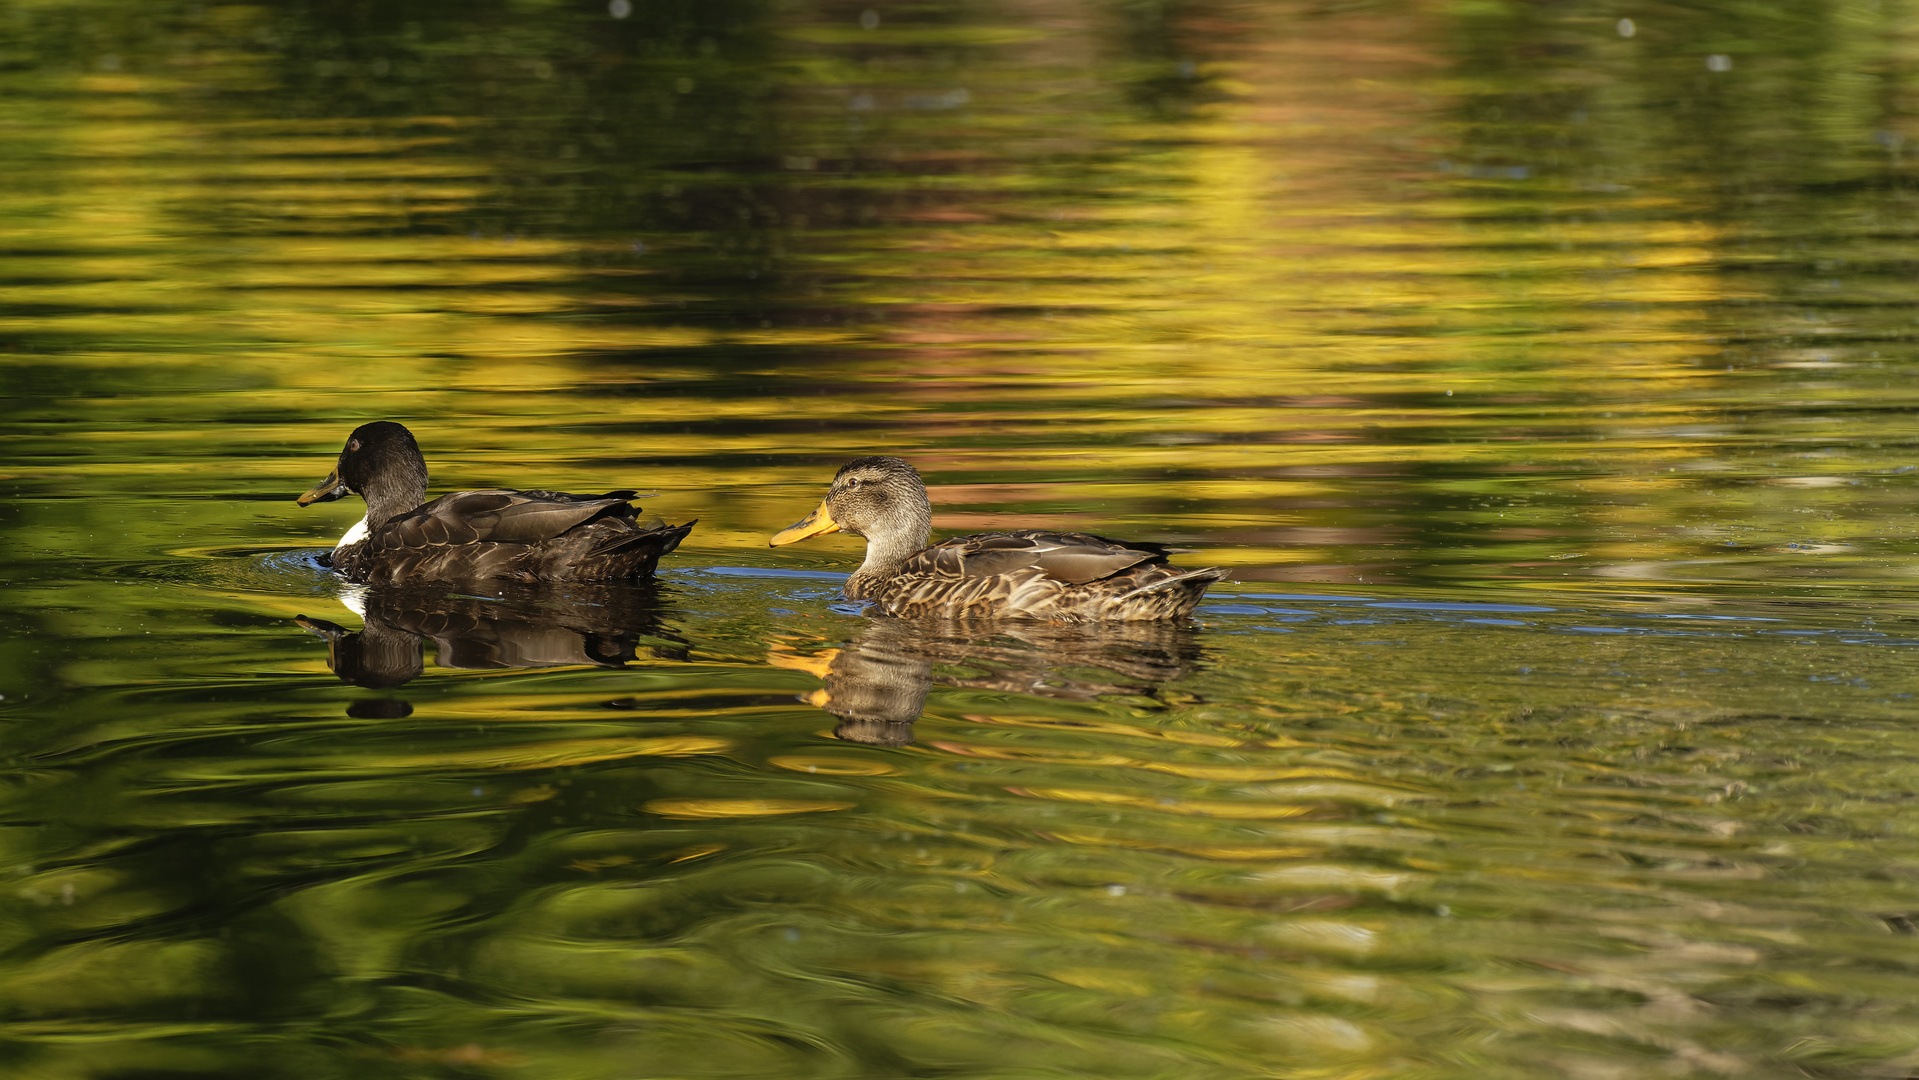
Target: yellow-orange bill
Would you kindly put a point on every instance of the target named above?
(817, 523)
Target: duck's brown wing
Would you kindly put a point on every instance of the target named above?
(1068, 558)
(493, 533)
(564, 496)
(1043, 575)
(495, 516)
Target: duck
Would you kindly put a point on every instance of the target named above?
(1063, 577)
(479, 535)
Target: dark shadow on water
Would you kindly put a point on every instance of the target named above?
(517, 626)
(878, 683)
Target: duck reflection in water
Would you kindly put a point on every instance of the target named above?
(511, 626)
(878, 683)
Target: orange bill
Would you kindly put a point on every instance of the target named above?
(325, 491)
(817, 523)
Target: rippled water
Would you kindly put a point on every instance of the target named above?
(1544, 374)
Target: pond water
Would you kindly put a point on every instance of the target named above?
(1545, 375)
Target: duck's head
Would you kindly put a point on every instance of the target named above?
(382, 463)
(879, 498)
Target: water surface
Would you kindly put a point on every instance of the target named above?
(1543, 374)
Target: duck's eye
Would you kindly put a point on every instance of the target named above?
(353, 444)
(852, 481)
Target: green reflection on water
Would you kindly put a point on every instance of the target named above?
(1614, 320)
(1592, 837)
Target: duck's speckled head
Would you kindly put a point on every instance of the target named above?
(880, 498)
(380, 462)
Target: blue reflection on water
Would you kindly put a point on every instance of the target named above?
(1434, 605)
(770, 572)
(1699, 617)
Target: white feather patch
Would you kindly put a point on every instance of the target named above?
(354, 597)
(353, 536)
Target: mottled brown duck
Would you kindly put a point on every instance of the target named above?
(1023, 574)
(479, 535)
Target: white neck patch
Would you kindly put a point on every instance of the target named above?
(354, 597)
(353, 536)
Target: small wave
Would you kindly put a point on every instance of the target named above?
(279, 571)
(771, 572)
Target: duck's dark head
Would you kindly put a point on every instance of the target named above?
(383, 464)
(880, 498)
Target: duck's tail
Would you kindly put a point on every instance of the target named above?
(1195, 580)
(1171, 597)
(636, 554)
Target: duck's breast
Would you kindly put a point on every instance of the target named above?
(355, 535)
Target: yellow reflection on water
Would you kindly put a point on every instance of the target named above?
(730, 808)
(1269, 324)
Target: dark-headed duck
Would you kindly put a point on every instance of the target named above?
(479, 535)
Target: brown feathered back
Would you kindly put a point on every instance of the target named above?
(478, 535)
(1063, 577)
